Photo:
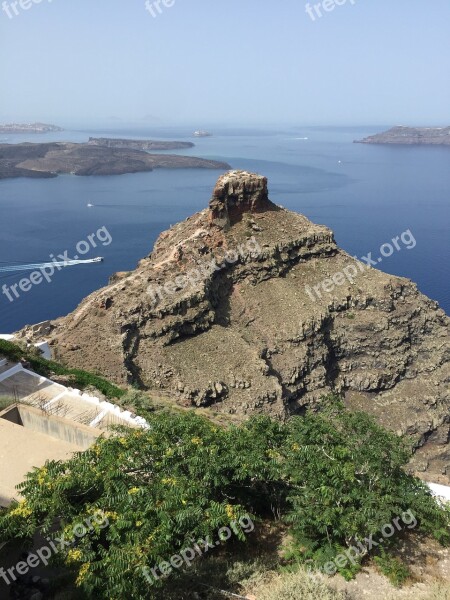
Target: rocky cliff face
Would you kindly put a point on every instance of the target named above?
(223, 314)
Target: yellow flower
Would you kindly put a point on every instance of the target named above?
(230, 511)
(68, 533)
(133, 491)
(272, 454)
(197, 441)
(123, 441)
(111, 515)
(22, 510)
(169, 481)
(82, 573)
(42, 475)
(139, 523)
(295, 447)
(73, 556)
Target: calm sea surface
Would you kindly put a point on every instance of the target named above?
(366, 194)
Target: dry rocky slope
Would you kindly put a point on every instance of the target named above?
(246, 336)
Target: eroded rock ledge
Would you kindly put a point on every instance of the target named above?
(219, 315)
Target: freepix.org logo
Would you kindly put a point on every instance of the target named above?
(317, 11)
(11, 9)
(193, 277)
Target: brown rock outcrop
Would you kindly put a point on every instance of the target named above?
(221, 314)
(233, 196)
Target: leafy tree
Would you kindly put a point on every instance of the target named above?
(334, 476)
(347, 481)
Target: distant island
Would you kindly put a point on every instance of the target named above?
(29, 128)
(145, 145)
(51, 159)
(410, 136)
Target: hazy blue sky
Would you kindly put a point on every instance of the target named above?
(233, 61)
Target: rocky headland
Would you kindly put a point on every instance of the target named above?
(51, 159)
(29, 128)
(147, 145)
(410, 136)
(219, 316)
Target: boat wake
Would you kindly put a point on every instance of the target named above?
(48, 265)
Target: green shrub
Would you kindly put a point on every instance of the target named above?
(11, 351)
(394, 569)
(5, 402)
(333, 476)
(137, 401)
(347, 481)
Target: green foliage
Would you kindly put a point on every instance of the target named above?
(11, 351)
(334, 476)
(137, 401)
(347, 481)
(6, 401)
(44, 367)
(394, 569)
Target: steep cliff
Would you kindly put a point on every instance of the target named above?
(223, 314)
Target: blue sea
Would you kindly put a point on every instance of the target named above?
(366, 194)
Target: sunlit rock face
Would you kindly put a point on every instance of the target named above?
(223, 314)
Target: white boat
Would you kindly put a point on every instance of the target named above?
(202, 133)
(89, 205)
(98, 259)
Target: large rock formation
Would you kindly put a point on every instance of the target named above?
(223, 314)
